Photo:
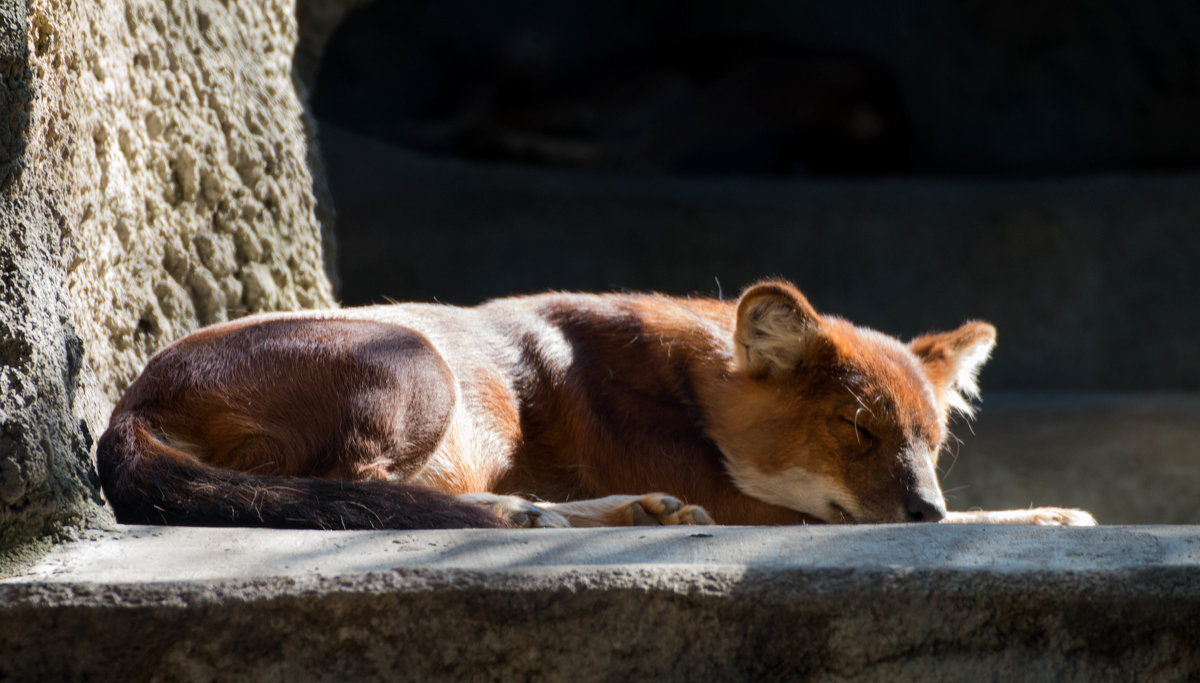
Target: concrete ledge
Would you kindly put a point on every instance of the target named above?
(822, 603)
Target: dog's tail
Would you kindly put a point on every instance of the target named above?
(148, 481)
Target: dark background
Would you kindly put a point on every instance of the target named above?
(908, 164)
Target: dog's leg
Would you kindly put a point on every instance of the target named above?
(652, 509)
(517, 510)
(1034, 516)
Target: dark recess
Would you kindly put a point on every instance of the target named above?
(909, 164)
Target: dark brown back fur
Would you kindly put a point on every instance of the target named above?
(268, 423)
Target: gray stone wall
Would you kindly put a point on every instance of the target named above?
(156, 178)
(1087, 278)
(1051, 187)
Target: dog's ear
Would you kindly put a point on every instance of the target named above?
(952, 361)
(776, 327)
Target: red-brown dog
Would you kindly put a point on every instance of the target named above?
(549, 410)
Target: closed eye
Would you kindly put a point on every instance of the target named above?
(864, 435)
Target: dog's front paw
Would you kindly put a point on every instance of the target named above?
(1061, 517)
(519, 512)
(656, 509)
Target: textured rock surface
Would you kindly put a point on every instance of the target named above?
(156, 179)
(915, 603)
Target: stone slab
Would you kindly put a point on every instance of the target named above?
(149, 554)
(818, 603)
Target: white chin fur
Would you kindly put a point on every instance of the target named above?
(794, 488)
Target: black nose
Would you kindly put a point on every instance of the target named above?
(921, 509)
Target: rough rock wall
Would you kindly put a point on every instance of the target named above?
(155, 179)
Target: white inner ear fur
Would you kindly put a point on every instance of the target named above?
(963, 386)
(772, 334)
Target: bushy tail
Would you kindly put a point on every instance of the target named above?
(149, 482)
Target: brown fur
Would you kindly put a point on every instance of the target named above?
(760, 411)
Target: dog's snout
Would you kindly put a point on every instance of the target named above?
(922, 509)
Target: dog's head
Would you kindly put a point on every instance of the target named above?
(837, 421)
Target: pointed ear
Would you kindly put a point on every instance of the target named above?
(952, 361)
(775, 328)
